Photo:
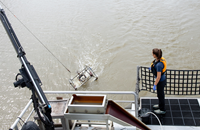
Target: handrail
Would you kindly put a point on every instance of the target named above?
(20, 116)
(99, 92)
(14, 126)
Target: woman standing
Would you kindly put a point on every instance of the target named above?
(158, 68)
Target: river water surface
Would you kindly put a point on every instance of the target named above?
(113, 37)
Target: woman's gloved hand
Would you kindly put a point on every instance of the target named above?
(154, 87)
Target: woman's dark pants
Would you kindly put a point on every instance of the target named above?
(161, 95)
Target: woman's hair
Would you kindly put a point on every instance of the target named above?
(157, 52)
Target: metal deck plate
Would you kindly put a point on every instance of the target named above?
(180, 112)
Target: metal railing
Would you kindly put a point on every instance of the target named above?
(103, 92)
(14, 126)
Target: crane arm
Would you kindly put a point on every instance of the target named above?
(29, 76)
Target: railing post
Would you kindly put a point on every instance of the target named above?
(137, 88)
(136, 104)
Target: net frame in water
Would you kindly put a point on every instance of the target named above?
(82, 77)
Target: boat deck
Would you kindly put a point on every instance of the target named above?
(180, 112)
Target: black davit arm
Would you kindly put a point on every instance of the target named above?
(29, 77)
